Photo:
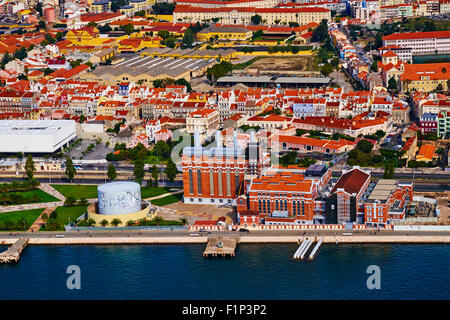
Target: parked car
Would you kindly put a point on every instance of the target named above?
(243, 230)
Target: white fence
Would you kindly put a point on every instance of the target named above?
(422, 228)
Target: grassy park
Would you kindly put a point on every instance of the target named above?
(24, 197)
(16, 216)
(84, 191)
(167, 200)
(64, 215)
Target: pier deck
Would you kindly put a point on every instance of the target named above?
(220, 246)
(14, 251)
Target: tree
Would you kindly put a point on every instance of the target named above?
(104, 223)
(131, 223)
(82, 202)
(392, 84)
(91, 222)
(321, 32)
(29, 167)
(138, 171)
(42, 25)
(171, 170)
(188, 38)
(129, 29)
(115, 222)
(163, 34)
(256, 19)
(158, 220)
(326, 69)
(364, 146)
(184, 221)
(112, 174)
(70, 169)
(155, 175)
(70, 201)
(140, 13)
(380, 134)
(183, 82)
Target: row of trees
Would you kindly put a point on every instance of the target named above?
(156, 221)
(21, 225)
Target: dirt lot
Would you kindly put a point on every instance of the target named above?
(193, 212)
(299, 63)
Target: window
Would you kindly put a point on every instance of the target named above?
(211, 182)
(199, 181)
(191, 182)
(228, 182)
(219, 181)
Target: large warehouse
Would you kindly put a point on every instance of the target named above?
(35, 136)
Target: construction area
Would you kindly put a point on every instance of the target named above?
(302, 65)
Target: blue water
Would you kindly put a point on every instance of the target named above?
(257, 272)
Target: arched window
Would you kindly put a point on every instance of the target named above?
(211, 182)
(259, 206)
(199, 181)
(276, 205)
(303, 208)
(228, 182)
(264, 206)
(294, 208)
(236, 181)
(219, 182)
(268, 206)
(191, 182)
(285, 205)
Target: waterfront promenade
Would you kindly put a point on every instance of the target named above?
(183, 237)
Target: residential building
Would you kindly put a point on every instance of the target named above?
(204, 121)
(387, 203)
(428, 123)
(430, 42)
(425, 77)
(443, 124)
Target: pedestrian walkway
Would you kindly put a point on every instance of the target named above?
(21, 207)
(39, 222)
(46, 187)
(164, 195)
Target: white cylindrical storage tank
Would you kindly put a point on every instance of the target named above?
(119, 198)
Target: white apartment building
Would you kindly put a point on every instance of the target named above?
(421, 42)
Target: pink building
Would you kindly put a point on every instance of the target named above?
(49, 14)
(163, 135)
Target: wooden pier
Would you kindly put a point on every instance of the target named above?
(220, 246)
(14, 251)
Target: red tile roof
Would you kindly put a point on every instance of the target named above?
(351, 181)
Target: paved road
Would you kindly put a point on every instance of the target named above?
(178, 233)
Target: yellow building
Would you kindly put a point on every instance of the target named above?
(100, 6)
(136, 44)
(425, 77)
(79, 36)
(103, 55)
(243, 15)
(224, 33)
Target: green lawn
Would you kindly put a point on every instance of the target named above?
(15, 216)
(79, 191)
(39, 195)
(64, 213)
(167, 200)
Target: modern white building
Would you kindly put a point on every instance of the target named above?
(35, 136)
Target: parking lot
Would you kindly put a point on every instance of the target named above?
(99, 152)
